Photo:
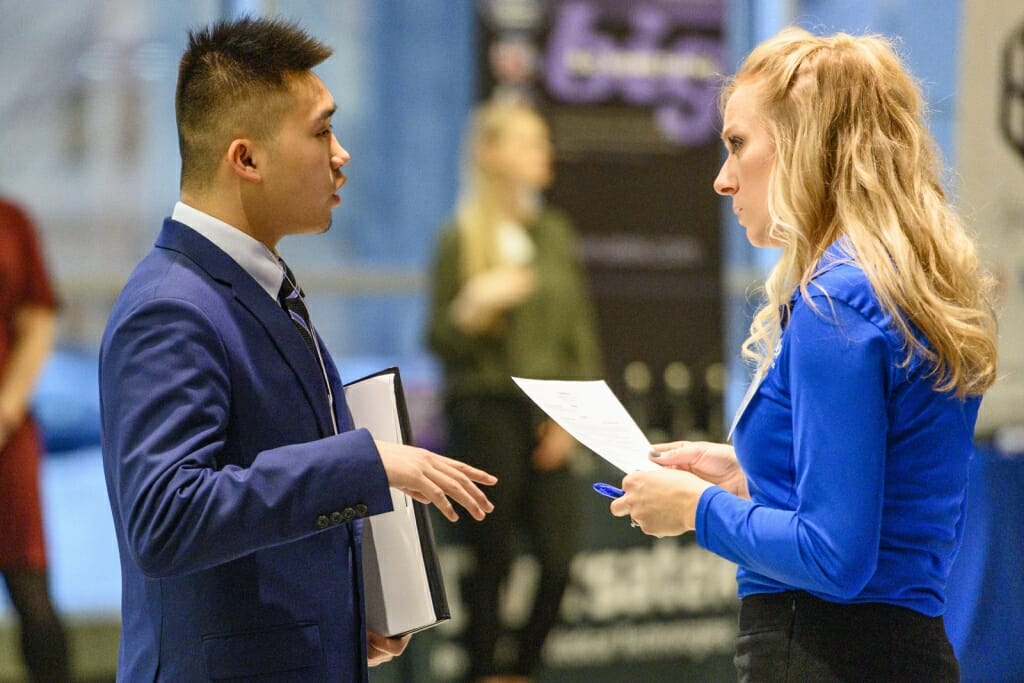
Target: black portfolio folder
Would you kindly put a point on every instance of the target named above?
(402, 578)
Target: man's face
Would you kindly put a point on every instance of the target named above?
(748, 166)
(302, 174)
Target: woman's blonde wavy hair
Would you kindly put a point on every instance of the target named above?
(853, 159)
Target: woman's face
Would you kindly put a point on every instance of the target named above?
(748, 166)
(522, 154)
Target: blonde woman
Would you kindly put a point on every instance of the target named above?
(841, 499)
(509, 298)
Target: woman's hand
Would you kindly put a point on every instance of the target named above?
(7, 428)
(486, 295)
(380, 649)
(32, 334)
(554, 448)
(661, 502)
(714, 462)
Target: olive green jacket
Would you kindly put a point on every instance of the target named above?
(550, 335)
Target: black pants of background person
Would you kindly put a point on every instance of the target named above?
(43, 641)
(499, 434)
(795, 637)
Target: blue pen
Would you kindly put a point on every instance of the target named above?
(608, 490)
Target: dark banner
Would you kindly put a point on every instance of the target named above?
(636, 609)
(630, 91)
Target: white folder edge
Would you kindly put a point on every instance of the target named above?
(400, 597)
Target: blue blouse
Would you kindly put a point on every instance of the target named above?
(856, 466)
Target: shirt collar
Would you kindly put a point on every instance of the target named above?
(836, 254)
(251, 254)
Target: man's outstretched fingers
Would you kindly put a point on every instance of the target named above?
(458, 485)
(477, 475)
(436, 496)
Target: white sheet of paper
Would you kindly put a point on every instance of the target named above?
(594, 416)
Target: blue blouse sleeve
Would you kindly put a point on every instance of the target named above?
(837, 365)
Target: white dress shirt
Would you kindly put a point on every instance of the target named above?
(248, 252)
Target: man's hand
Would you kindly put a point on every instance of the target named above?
(714, 462)
(432, 478)
(380, 649)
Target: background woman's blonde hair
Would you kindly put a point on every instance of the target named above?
(481, 205)
(853, 158)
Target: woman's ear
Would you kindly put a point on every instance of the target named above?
(243, 160)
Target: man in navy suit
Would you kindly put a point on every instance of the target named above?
(235, 477)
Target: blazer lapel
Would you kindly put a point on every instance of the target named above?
(281, 330)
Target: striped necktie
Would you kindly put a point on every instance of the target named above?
(290, 295)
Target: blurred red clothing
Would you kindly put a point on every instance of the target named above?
(23, 281)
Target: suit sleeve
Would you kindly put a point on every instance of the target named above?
(166, 399)
(838, 370)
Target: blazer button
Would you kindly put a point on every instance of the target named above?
(336, 517)
(349, 514)
(361, 510)
(323, 522)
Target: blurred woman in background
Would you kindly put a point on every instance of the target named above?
(27, 329)
(510, 299)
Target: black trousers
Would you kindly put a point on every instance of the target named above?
(499, 434)
(795, 637)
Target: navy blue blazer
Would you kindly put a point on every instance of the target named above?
(235, 506)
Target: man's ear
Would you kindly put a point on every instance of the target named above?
(243, 160)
